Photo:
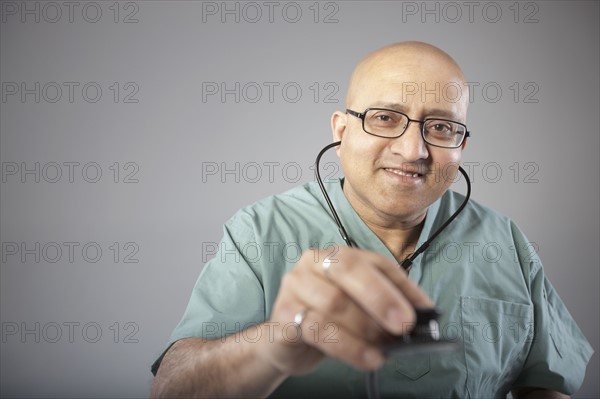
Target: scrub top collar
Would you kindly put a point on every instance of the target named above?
(362, 236)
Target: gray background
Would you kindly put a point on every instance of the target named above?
(163, 208)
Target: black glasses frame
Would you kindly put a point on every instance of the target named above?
(362, 115)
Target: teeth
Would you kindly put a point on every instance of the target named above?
(401, 173)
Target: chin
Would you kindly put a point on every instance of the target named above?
(404, 211)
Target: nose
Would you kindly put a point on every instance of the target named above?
(410, 145)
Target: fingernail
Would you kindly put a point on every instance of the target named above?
(395, 318)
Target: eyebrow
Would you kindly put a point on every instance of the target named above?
(402, 108)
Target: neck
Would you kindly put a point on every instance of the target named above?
(401, 239)
(399, 234)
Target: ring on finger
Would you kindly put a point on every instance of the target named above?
(300, 316)
(326, 266)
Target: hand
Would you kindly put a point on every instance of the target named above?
(348, 310)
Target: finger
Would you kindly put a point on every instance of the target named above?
(413, 293)
(320, 294)
(338, 342)
(363, 276)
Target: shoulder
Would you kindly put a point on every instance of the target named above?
(290, 202)
(482, 223)
(299, 205)
(489, 228)
(474, 211)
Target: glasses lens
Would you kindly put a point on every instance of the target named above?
(385, 123)
(444, 133)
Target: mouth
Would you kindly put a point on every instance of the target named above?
(404, 173)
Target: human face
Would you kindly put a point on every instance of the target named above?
(396, 180)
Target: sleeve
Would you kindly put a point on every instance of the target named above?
(227, 297)
(559, 351)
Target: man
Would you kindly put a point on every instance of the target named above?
(399, 154)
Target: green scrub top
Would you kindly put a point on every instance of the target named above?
(481, 272)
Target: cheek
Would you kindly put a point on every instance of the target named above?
(352, 163)
(357, 154)
(445, 166)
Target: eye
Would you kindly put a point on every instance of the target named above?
(442, 127)
(439, 127)
(384, 117)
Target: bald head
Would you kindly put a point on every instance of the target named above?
(415, 64)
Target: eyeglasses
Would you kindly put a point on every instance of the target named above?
(391, 124)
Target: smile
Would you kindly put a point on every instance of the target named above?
(403, 173)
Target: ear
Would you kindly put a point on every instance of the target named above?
(339, 120)
(464, 144)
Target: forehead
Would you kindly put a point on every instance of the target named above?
(421, 85)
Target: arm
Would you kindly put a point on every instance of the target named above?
(195, 367)
(537, 393)
(559, 351)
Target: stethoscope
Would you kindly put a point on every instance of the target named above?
(422, 338)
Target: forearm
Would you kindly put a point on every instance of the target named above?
(537, 393)
(195, 368)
